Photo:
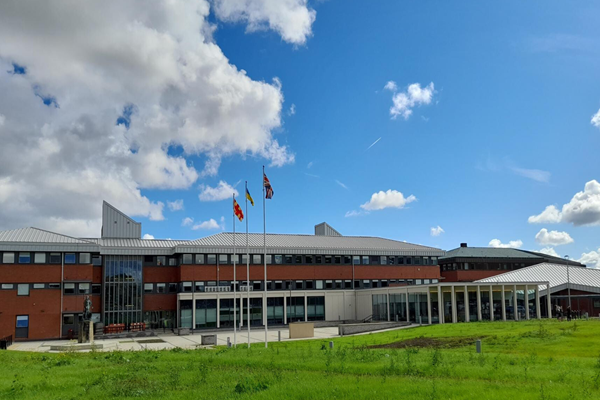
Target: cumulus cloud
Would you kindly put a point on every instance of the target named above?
(205, 225)
(596, 119)
(436, 231)
(176, 205)
(187, 221)
(292, 19)
(513, 244)
(583, 209)
(553, 238)
(148, 236)
(221, 192)
(404, 102)
(388, 199)
(550, 251)
(133, 80)
(591, 259)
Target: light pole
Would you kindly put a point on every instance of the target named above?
(568, 281)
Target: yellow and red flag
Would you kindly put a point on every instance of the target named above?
(237, 210)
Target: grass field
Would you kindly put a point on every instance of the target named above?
(520, 360)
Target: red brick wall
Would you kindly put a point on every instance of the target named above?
(160, 302)
(469, 275)
(161, 274)
(42, 306)
(79, 273)
(29, 273)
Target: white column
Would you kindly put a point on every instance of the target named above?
(218, 312)
(491, 303)
(549, 300)
(429, 306)
(284, 309)
(503, 304)
(407, 309)
(515, 309)
(526, 296)
(467, 311)
(537, 302)
(479, 317)
(453, 303)
(440, 305)
(388, 305)
(305, 308)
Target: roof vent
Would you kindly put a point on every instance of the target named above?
(463, 245)
(324, 229)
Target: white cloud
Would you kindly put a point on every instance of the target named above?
(292, 110)
(437, 231)
(354, 213)
(187, 221)
(404, 102)
(388, 199)
(583, 209)
(551, 215)
(373, 144)
(311, 175)
(535, 174)
(513, 244)
(292, 19)
(553, 238)
(210, 224)
(550, 251)
(596, 119)
(310, 164)
(176, 205)
(591, 259)
(221, 192)
(341, 184)
(391, 86)
(147, 236)
(154, 68)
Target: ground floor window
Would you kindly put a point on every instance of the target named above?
(398, 307)
(185, 317)
(295, 309)
(159, 319)
(206, 314)
(315, 308)
(22, 327)
(226, 313)
(380, 307)
(275, 310)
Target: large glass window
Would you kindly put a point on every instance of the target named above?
(365, 260)
(199, 258)
(39, 258)
(380, 307)
(295, 309)
(206, 313)
(24, 258)
(23, 289)
(161, 261)
(356, 260)
(187, 259)
(123, 289)
(211, 259)
(84, 288)
(256, 259)
(223, 259)
(8, 258)
(226, 313)
(85, 258)
(278, 259)
(315, 308)
(70, 258)
(69, 288)
(275, 310)
(22, 327)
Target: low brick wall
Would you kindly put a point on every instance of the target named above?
(351, 329)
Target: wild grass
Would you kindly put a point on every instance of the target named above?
(520, 360)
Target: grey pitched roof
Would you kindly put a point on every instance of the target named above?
(296, 244)
(35, 239)
(489, 252)
(580, 278)
(138, 246)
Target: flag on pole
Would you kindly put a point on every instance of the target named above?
(237, 210)
(249, 197)
(268, 189)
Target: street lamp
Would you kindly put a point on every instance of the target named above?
(568, 281)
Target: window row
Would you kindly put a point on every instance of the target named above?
(481, 266)
(82, 288)
(23, 288)
(50, 258)
(211, 259)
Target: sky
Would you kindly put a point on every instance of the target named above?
(429, 122)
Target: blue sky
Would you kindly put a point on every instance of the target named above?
(516, 85)
(506, 132)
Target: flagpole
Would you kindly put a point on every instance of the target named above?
(265, 309)
(247, 268)
(234, 279)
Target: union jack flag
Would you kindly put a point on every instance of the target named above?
(268, 189)
(237, 210)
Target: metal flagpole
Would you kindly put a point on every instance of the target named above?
(247, 268)
(234, 279)
(265, 257)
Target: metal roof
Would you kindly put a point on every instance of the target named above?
(34, 239)
(488, 252)
(115, 224)
(580, 278)
(297, 244)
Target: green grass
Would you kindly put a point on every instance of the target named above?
(520, 360)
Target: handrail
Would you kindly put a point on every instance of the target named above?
(6, 342)
(368, 319)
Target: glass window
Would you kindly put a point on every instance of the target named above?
(23, 289)
(319, 284)
(298, 259)
(318, 259)
(337, 259)
(408, 260)
(70, 258)
(391, 260)
(55, 258)
(211, 259)
(417, 260)
(299, 285)
(161, 261)
(22, 321)
(8, 258)
(383, 260)
(425, 260)
(96, 288)
(68, 319)
(338, 284)
(418, 282)
(54, 286)
(327, 259)
(148, 287)
(365, 260)
(187, 258)
(374, 259)
(434, 261)
(172, 287)
(97, 261)
(256, 285)
(308, 259)
(288, 259)
(256, 259)
(160, 287)
(400, 260)
(308, 284)
(39, 286)
(356, 260)
(85, 258)
(278, 259)
(199, 258)
(172, 261)
(187, 286)
(347, 260)
(328, 284)
(84, 288)
(69, 288)
(7, 286)
(269, 257)
(223, 259)
(24, 258)
(39, 258)
(199, 286)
